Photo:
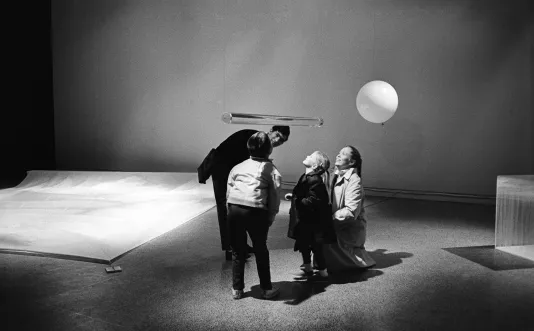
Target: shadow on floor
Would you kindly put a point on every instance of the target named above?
(300, 290)
(297, 291)
(491, 258)
(20, 308)
(386, 260)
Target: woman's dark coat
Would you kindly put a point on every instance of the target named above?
(310, 216)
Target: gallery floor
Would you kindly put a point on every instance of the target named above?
(436, 270)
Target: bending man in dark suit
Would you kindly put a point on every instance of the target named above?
(230, 153)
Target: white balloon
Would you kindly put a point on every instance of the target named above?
(377, 101)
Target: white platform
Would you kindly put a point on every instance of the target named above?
(96, 216)
(514, 216)
(526, 251)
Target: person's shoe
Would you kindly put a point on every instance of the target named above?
(321, 276)
(229, 253)
(237, 294)
(307, 268)
(270, 294)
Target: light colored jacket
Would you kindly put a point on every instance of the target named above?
(348, 211)
(348, 196)
(255, 182)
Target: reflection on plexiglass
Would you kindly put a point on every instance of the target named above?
(258, 119)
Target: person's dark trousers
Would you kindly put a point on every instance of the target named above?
(219, 188)
(318, 255)
(255, 221)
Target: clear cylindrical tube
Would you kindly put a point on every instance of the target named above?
(257, 119)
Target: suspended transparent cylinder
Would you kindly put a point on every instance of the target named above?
(257, 119)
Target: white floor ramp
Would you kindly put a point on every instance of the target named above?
(96, 216)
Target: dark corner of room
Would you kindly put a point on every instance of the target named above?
(27, 121)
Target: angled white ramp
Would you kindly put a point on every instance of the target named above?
(96, 216)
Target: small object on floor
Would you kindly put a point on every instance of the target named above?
(288, 196)
(111, 270)
(270, 294)
(250, 250)
(237, 294)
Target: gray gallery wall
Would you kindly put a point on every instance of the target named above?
(141, 85)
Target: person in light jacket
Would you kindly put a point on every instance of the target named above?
(253, 197)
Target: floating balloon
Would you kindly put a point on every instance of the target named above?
(377, 101)
(237, 118)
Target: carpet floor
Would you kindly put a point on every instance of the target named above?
(436, 270)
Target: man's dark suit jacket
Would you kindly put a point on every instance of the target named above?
(231, 152)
